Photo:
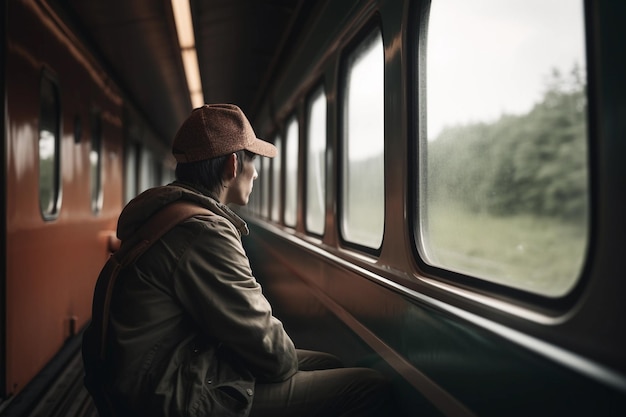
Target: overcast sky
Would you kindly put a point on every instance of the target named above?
(488, 57)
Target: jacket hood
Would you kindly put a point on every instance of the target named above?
(146, 204)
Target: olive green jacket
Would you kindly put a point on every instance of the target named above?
(190, 329)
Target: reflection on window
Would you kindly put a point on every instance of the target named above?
(316, 162)
(503, 155)
(276, 169)
(291, 172)
(95, 162)
(49, 147)
(363, 193)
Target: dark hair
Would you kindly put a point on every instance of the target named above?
(209, 173)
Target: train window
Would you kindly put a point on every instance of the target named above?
(363, 192)
(147, 170)
(78, 129)
(131, 171)
(503, 194)
(265, 175)
(276, 170)
(316, 162)
(169, 174)
(291, 172)
(95, 161)
(254, 203)
(49, 148)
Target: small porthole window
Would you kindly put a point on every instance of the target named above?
(95, 162)
(49, 148)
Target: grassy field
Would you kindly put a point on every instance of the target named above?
(541, 255)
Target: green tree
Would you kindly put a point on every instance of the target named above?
(534, 163)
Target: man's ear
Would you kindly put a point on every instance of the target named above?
(230, 167)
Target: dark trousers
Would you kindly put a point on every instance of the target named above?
(323, 387)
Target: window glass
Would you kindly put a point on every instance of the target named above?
(255, 197)
(266, 175)
(168, 174)
(130, 172)
(276, 170)
(503, 154)
(49, 149)
(147, 170)
(95, 162)
(291, 172)
(363, 193)
(316, 162)
(78, 129)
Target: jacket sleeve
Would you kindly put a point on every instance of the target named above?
(214, 282)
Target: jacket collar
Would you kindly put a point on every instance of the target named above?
(209, 200)
(142, 207)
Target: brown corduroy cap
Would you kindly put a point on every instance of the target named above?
(215, 130)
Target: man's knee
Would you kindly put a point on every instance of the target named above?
(370, 393)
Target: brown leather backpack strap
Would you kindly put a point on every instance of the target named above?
(159, 224)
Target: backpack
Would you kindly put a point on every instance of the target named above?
(95, 336)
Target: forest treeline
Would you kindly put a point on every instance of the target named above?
(534, 163)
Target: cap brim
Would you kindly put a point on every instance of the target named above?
(263, 148)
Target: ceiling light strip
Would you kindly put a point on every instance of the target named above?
(186, 40)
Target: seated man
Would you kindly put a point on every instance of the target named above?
(190, 332)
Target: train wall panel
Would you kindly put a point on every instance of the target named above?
(52, 264)
(460, 368)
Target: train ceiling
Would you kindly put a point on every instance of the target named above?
(238, 43)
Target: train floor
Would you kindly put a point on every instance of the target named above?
(57, 391)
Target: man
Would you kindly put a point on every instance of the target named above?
(190, 332)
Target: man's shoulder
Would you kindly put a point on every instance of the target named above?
(210, 224)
